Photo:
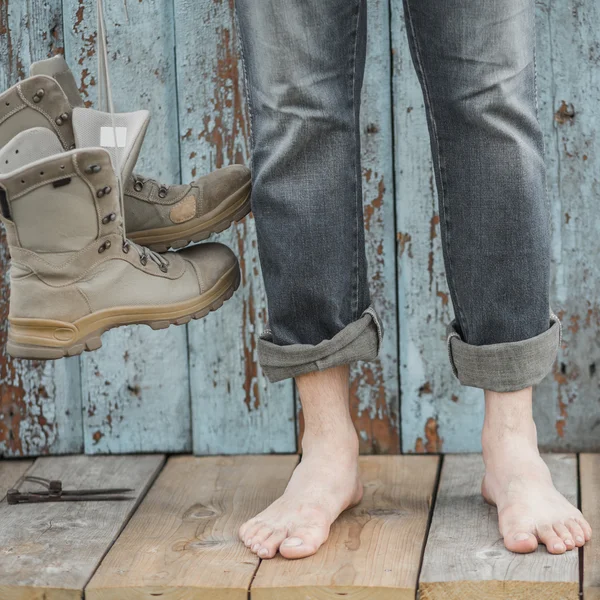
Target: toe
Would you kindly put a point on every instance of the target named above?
(553, 542)
(585, 526)
(303, 542)
(259, 537)
(565, 534)
(243, 530)
(251, 532)
(271, 545)
(520, 541)
(576, 532)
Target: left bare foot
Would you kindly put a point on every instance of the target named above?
(518, 482)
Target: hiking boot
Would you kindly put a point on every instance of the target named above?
(73, 272)
(157, 215)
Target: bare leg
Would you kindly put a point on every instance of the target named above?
(325, 483)
(518, 482)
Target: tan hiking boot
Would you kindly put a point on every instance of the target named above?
(73, 273)
(157, 215)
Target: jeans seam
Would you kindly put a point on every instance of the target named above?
(354, 301)
(246, 82)
(442, 191)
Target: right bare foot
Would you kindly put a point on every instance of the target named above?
(324, 484)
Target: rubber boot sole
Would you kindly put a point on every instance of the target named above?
(175, 237)
(46, 339)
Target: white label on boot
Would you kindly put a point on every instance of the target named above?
(107, 137)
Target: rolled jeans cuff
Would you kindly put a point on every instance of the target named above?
(360, 340)
(505, 367)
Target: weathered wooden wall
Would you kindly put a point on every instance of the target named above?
(199, 388)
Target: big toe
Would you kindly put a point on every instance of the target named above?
(522, 542)
(302, 543)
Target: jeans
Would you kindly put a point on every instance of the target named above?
(303, 65)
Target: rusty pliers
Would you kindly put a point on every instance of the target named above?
(54, 492)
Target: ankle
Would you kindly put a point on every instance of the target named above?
(342, 443)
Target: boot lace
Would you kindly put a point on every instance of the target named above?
(139, 181)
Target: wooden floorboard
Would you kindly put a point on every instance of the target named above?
(182, 542)
(589, 472)
(465, 558)
(50, 551)
(10, 473)
(374, 549)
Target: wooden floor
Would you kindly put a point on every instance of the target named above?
(421, 528)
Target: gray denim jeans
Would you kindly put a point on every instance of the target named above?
(304, 64)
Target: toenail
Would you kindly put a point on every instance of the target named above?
(579, 539)
(558, 547)
(521, 537)
(263, 552)
(293, 542)
(255, 547)
(569, 542)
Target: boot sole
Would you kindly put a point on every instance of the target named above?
(231, 210)
(45, 339)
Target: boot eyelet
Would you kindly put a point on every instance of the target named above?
(162, 193)
(138, 186)
(93, 169)
(58, 121)
(109, 218)
(104, 247)
(64, 116)
(107, 190)
(125, 247)
(144, 260)
(100, 194)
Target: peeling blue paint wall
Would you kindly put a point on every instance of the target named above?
(199, 388)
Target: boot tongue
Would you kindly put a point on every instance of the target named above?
(123, 142)
(28, 147)
(57, 68)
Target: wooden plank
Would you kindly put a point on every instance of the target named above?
(430, 422)
(374, 386)
(182, 541)
(135, 388)
(39, 401)
(51, 550)
(465, 558)
(233, 408)
(10, 473)
(569, 85)
(589, 473)
(374, 550)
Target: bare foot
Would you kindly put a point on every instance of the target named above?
(518, 482)
(324, 484)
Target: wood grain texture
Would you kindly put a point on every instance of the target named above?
(50, 551)
(589, 474)
(136, 387)
(182, 542)
(374, 550)
(438, 414)
(10, 473)
(39, 401)
(465, 558)
(234, 409)
(568, 58)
